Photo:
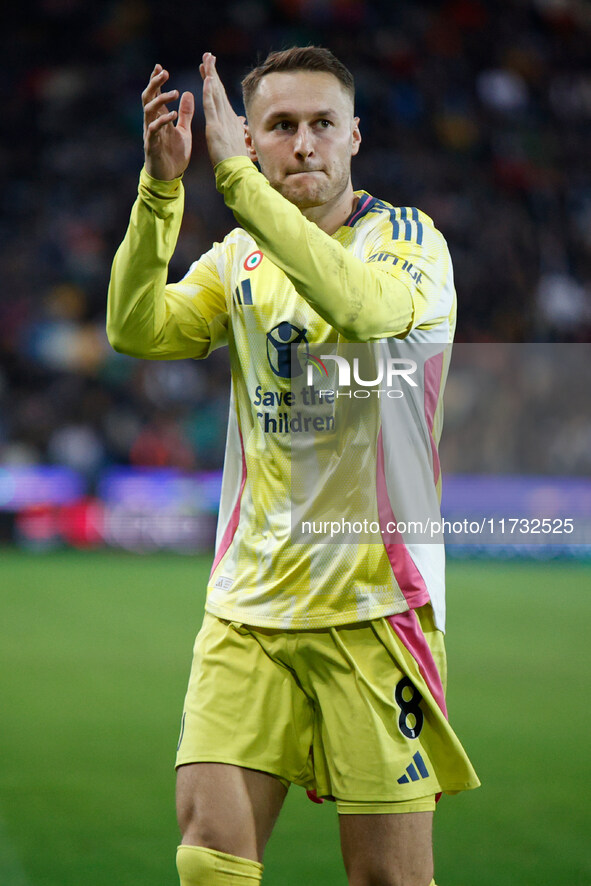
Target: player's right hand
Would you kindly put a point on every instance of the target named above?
(167, 147)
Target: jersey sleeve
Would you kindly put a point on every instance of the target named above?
(146, 317)
(363, 300)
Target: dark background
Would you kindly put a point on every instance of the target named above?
(477, 112)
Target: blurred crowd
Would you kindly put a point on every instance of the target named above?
(478, 112)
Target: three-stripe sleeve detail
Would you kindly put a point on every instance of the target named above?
(405, 222)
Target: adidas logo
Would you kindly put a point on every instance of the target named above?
(411, 771)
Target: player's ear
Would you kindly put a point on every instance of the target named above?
(249, 144)
(356, 137)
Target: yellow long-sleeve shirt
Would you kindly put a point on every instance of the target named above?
(275, 289)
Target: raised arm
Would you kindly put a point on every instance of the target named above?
(362, 300)
(145, 316)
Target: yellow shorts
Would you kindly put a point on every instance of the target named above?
(352, 712)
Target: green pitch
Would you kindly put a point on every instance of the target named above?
(94, 658)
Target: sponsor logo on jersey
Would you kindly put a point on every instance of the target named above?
(287, 350)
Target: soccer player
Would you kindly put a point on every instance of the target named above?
(317, 664)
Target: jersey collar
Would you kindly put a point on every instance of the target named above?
(365, 204)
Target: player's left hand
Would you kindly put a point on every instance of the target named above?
(224, 129)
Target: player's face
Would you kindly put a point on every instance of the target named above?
(302, 132)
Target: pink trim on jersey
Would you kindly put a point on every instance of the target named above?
(433, 372)
(234, 517)
(409, 579)
(407, 628)
(361, 206)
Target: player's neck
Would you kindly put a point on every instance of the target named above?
(331, 216)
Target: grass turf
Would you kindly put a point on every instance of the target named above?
(93, 665)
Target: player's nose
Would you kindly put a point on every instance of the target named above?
(303, 146)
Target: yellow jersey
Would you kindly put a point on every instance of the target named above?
(314, 324)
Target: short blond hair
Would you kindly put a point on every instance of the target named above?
(298, 58)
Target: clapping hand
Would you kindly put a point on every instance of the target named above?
(224, 129)
(167, 146)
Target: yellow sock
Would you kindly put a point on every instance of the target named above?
(198, 866)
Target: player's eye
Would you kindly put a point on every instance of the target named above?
(325, 124)
(283, 125)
